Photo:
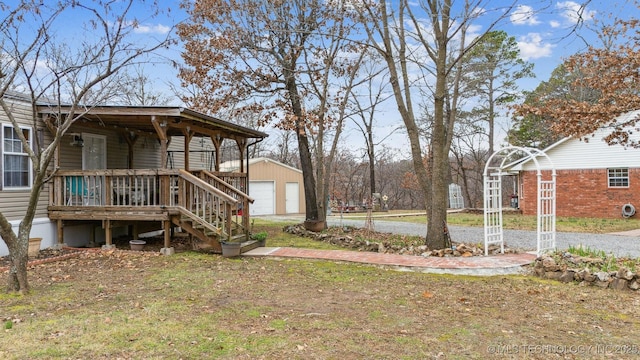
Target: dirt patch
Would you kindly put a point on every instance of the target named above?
(152, 245)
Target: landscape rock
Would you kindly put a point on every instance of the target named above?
(602, 276)
(549, 264)
(624, 273)
(566, 276)
(553, 275)
(564, 268)
(618, 284)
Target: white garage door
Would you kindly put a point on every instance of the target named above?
(263, 192)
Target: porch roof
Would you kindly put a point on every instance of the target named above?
(140, 119)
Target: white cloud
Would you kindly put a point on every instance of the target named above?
(524, 15)
(149, 29)
(554, 24)
(572, 12)
(533, 47)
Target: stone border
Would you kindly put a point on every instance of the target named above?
(546, 267)
(350, 241)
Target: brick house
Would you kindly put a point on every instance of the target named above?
(594, 179)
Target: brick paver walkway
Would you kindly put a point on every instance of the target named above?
(475, 265)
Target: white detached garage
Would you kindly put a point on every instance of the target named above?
(277, 188)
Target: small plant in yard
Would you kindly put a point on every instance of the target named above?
(607, 262)
(586, 251)
(8, 325)
(262, 235)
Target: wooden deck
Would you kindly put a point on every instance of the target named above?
(202, 203)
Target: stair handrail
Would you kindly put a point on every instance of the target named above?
(228, 202)
(244, 199)
(199, 182)
(228, 186)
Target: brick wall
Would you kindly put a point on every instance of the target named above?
(583, 193)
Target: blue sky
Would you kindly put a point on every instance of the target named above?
(547, 37)
(544, 37)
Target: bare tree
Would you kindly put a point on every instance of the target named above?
(365, 101)
(399, 32)
(331, 89)
(137, 89)
(282, 148)
(40, 65)
(257, 52)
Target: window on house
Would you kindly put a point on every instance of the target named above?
(619, 177)
(16, 169)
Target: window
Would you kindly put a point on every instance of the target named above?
(619, 177)
(16, 169)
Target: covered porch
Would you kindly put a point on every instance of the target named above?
(133, 170)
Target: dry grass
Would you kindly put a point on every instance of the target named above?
(135, 306)
(143, 306)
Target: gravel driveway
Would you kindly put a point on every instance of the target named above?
(619, 245)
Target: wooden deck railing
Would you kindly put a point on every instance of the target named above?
(120, 188)
(214, 203)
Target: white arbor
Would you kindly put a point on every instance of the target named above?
(546, 197)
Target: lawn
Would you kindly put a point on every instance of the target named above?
(514, 221)
(136, 305)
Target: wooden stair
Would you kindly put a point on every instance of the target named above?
(207, 213)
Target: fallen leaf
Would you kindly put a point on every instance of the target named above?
(427, 295)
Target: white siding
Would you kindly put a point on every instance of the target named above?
(13, 203)
(201, 156)
(573, 154)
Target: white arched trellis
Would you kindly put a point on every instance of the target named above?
(546, 195)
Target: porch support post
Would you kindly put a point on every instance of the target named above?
(242, 148)
(106, 224)
(60, 233)
(131, 139)
(167, 249)
(217, 140)
(161, 130)
(188, 135)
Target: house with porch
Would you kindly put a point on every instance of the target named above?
(128, 170)
(593, 179)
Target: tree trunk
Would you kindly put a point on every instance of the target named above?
(17, 279)
(311, 203)
(437, 237)
(372, 159)
(18, 245)
(18, 254)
